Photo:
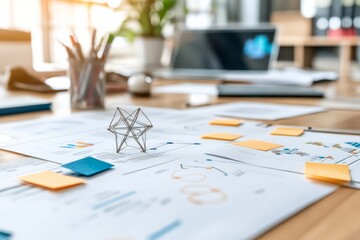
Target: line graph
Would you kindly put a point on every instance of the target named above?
(173, 143)
(203, 167)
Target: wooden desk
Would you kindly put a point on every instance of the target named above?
(335, 217)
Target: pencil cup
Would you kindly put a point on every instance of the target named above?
(87, 88)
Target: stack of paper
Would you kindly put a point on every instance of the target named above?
(288, 76)
(184, 186)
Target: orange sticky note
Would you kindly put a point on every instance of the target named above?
(221, 136)
(338, 173)
(226, 122)
(258, 145)
(52, 180)
(295, 132)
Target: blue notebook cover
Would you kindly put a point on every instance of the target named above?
(15, 105)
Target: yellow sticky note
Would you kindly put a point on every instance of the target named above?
(258, 145)
(221, 136)
(338, 173)
(52, 180)
(295, 132)
(226, 122)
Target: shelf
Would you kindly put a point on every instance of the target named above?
(303, 50)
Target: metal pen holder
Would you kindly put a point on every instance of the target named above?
(87, 88)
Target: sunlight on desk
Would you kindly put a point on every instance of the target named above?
(277, 157)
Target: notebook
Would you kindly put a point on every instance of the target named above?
(14, 105)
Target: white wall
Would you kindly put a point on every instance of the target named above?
(15, 54)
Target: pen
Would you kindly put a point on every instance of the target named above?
(321, 130)
(336, 131)
(97, 48)
(77, 47)
(107, 46)
(92, 53)
(68, 50)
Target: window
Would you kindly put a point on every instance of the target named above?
(199, 13)
(53, 20)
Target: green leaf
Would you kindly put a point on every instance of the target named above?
(129, 34)
(150, 15)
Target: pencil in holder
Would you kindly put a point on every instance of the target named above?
(87, 88)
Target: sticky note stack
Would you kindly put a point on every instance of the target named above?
(336, 173)
(52, 180)
(294, 132)
(226, 122)
(221, 136)
(258, 145)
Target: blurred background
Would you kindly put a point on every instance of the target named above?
(51, 20)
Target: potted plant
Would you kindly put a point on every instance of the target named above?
(144, 26)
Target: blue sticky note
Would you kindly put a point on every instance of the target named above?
(88, 166)
(5, 235)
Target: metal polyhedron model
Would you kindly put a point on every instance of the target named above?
(131, 128)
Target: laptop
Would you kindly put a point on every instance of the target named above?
(214, 52)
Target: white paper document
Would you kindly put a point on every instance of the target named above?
(289, 76)
(48, 126)
(260, 111)
(61, 125)
(295, 151)
(171, 137)
(188, 88)
(10, 171)
(192, 198)
(171, 191)
(22, 166)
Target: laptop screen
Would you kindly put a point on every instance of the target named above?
(224, 49)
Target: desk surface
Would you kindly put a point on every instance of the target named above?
(335, 217)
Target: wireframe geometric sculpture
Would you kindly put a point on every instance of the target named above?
(131, 128)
